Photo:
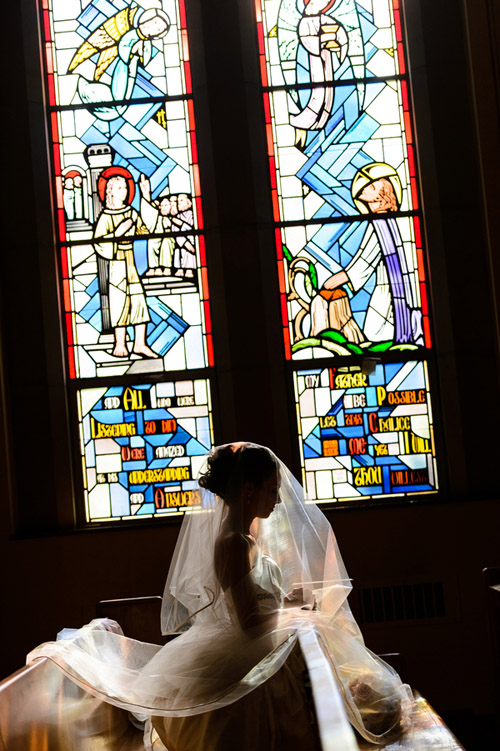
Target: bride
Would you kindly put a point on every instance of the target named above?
(255, 580)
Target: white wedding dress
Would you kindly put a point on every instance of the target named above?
(217, 687)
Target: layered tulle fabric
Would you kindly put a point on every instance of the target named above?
(215, 675)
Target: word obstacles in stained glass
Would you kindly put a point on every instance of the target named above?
(142, 447)
(366, 435)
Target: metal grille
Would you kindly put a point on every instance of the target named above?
(401, 602)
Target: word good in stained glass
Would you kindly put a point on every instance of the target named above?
(127, 188)
(366, 435)
(142, 447)
(342, 162)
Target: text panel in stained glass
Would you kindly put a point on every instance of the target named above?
(142, 447)
(363, 435)
(343, 177)
(127, 188)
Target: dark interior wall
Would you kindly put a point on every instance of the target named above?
(54, 580)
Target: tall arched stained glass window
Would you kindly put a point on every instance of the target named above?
(132, 259)
(349, 243)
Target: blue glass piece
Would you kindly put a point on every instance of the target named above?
(195, 448)
(331, 433)
(158, 439)
(166, 329)
(141, 256)
(370, 51)
(140, 422)
(108, 416)
(182, 436)
(159, 463)
(91, 307)
(368, 29)
(149, 149)
(143, 87)
(114, 391)
(392, 369)
(360, 301)
(386, 479)
(377, 378)
(309, 453)
(88, 16)
(120, 504)
(90, 454)
(117, 124)
(93, 287)
(123, 145)
(146, 508)
(109, 9)
(362, 130)
(137, 441)
(414, 380)
(139, 464)
(353, 431)
(384, 460)
(143, 165)
(149, 452)
(92, 135)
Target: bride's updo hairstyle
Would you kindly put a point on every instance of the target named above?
(232, 465)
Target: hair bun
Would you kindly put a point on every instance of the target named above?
(221, 465)
(233, 464)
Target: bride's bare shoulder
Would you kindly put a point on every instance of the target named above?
(233, 542)
(232, 556)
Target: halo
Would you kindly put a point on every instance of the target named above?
(148, 15)
(369, 174)
(116, 171)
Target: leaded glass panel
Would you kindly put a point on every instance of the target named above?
(132, 264)
(351, 263)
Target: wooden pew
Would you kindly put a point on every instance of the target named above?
(428, 732)
(43, 710)
(35, 719)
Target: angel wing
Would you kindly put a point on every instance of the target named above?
(104, 40)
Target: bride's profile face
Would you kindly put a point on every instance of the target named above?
(266, 496)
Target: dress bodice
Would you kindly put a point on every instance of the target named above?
(266, 575)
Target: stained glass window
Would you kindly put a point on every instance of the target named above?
(351, 267)
(131, 248)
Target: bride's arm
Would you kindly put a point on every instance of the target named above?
(233, 566)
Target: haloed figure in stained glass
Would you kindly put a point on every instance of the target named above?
(393, 312)
(114, 230)
(127, 38)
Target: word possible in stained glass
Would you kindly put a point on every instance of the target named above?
(366, 434)
(342, 163)
(142, 447)
(129, 214)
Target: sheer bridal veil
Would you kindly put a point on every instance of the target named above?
(213, 662)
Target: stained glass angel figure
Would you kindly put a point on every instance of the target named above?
(316, 48)
(127, 38)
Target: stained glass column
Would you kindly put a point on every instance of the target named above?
(351, 266)
(134, 284)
